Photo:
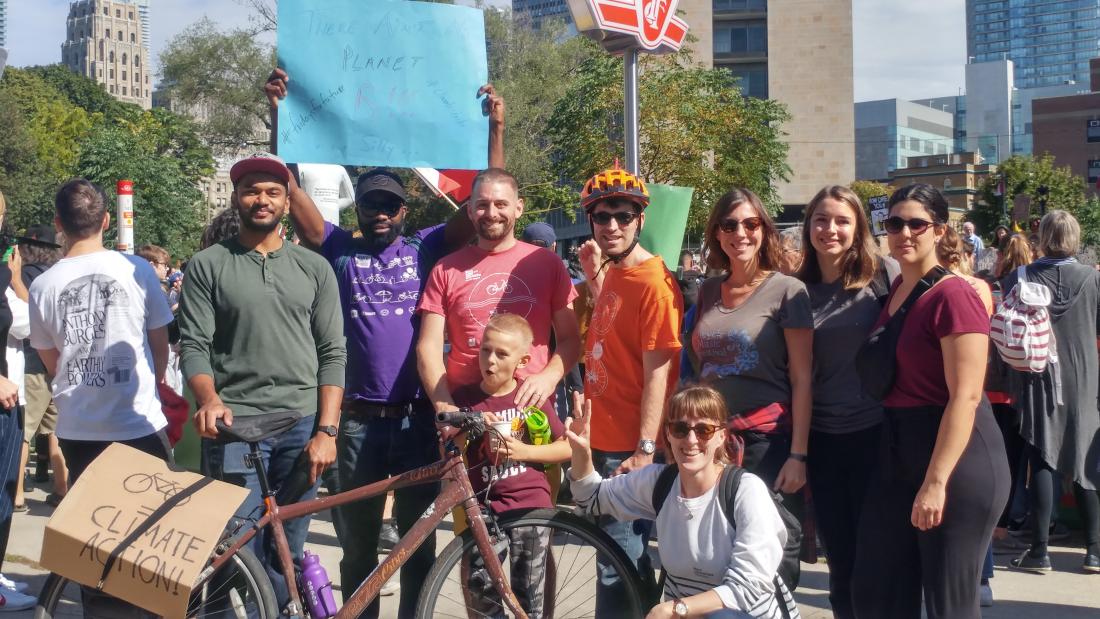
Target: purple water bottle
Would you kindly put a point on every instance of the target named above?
(316, 587)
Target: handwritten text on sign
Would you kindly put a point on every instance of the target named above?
(382, 83)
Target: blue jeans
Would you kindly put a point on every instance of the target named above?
(632, 536)
(226, 463)
(370, 449)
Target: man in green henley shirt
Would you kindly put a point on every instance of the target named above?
(261, 333)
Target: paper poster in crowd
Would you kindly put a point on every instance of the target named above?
(384, 82)
(665, 221)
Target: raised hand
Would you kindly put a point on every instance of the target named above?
(492, 105)
(275, 88)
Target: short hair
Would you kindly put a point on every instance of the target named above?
(770, 252)
(225, 225)
(513, 324)
(928, 196)
(860, 262)
(699, 402)
(1059, 235)
(154, 254)
(81, 206)
(495, 175)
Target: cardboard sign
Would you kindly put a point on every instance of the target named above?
(114, 496)
(879, 212)
(383, 83)
(1021, 207)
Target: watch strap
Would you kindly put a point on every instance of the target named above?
(329, 430)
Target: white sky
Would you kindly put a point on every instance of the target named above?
(903, 49)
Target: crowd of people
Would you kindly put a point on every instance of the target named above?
(815, 377)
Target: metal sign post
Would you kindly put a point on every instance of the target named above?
(626, 28)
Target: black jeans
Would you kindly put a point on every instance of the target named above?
(839, 470)
(895, 561)
(370, 449)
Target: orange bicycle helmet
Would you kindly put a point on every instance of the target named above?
(614, 183)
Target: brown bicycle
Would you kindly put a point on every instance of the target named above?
(472, 577)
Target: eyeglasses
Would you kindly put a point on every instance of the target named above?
(624, 218)
(389, 208)
(703, 431)
(894, 225)
(751, 224)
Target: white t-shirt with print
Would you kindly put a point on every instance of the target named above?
(95, 310)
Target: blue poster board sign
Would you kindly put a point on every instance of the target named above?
(384, 82)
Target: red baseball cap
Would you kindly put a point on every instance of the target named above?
(260, 162)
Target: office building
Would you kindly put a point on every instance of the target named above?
(3, 22)
(1049, 41)
(1069, 128)
(103, 42)
(890, 132)
(959, 176)
(535, 11)
(143, 15)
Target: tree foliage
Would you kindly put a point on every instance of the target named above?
(870, 189)
(696, 129)
(1027, 175)
(219, 77)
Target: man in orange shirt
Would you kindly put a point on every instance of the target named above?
(632, 347)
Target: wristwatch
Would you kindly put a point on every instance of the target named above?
(647, 446)
(679, 608)
(329, 430)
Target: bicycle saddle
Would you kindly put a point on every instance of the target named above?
(256, 428)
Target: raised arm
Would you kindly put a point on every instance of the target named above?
(494, 106)
(307, 220)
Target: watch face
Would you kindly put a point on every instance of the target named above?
(680, 609)
(647, 446)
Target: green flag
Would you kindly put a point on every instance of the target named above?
(665, 221)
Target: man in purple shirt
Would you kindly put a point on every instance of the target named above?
(387, 425)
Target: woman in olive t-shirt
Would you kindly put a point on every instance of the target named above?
(753, 339)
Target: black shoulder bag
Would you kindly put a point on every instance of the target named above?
(876, 361)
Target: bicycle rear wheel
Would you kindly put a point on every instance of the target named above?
(564, 576)
(239, 589)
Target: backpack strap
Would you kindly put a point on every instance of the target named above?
(664, 486)
(728, 486)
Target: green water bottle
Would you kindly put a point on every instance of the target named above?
(538, 426)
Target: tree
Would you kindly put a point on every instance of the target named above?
(219, 77)
(1027, 175)
(23, 179)
(708, 136)
(870, 189)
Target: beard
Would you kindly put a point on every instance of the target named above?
(485, 229)
(256, 226)
(379, 240)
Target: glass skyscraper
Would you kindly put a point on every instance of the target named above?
(1049, 41)
(3, 22)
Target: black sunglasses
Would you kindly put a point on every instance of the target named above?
(703, 431)
(894, 225)
(389, 208)
(751, 224)
(624, 218)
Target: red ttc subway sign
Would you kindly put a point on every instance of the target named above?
(652, 24)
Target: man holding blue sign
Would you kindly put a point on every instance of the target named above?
(387, 426)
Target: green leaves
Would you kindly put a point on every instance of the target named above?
(1029, 175)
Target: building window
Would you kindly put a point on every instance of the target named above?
(123, 57)
(133, 38)
(124, 75)
(753, 79)
(111, 56)
(108, 33)
(946, 184)
(106, 11)
(112, 89)
(120, 36)
(741, 38)
(123, 91)
(137, 60)
(118, 12)
(131, 15)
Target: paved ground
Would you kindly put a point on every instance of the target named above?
(1066, 593)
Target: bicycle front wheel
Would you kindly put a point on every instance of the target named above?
(550, 562)
(239, 589)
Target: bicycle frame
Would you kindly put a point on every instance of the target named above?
(457, 491)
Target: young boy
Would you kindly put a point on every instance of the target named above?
(511, 477)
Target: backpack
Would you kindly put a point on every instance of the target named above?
(728, 484)
(1021, 329)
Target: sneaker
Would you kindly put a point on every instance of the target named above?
(1027, 563)
(12, 585)
(1092, 563)
(1058, 532)
(13, 600)
(1009, 545)
(391, 587)
(387, 538)
(986, 595)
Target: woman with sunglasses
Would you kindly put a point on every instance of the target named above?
(847, 283)
(943, 478)
(713, 569)
(753, 342)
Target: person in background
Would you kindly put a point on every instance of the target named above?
(225, 225)
(1063, 433)
(542, 234)
(12, 596)
(791, 246)
(943, 478)
(847, 282)
(969, 235)
(688, 276)
(161, 261)
(1000, 233)
(40, 412)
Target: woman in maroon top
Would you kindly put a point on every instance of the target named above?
(943, 474)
